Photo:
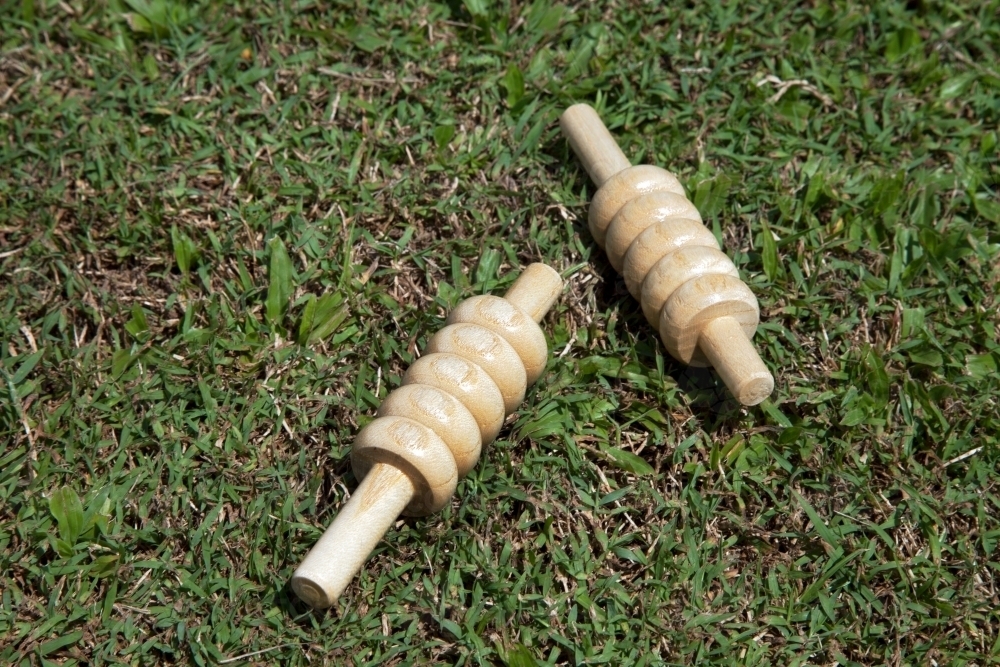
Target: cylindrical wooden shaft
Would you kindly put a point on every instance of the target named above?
(345, 546)
(535, 290)
(725, 344)
(593, 144)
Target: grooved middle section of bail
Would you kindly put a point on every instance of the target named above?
(454, 399)
(656, 238)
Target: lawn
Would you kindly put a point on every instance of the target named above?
(227, 230)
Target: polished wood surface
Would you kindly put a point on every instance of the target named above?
(654, 236)
(430, 431)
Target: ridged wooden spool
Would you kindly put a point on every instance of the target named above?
(671, 262)
(430, 431)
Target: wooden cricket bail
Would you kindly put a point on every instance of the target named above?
(670, 261)
(430, 431)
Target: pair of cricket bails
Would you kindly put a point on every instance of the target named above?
(474, 372)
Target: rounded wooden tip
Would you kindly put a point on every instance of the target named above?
(535, 290)
(331, 564)
(593, 144)
(753, 390)
(312, 592)
(726, 344)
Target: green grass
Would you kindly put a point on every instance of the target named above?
(226, 230)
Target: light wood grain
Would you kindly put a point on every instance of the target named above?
(343, 549)
(491, 352)
(699, 301)
(654, 236)
(442, 413)
(656, 242)
(467, 382)
(592, 143)
(415, 449)
(535, 290)
(622, 188)
(430, 431)
(677, 268)
(725, 343)
(640, 213)
(504, 318)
